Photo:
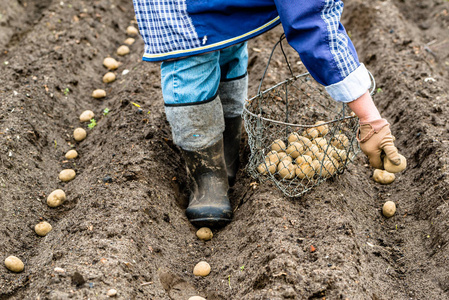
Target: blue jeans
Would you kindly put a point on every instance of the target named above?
(196, 78)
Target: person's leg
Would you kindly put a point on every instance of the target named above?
(233, 90)
(195, 114)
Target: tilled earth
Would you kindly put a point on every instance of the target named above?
(123, 224)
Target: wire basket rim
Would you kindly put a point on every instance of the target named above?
(288, 80)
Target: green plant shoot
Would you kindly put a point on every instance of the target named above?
(92, 124)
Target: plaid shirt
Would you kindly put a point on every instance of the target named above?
(165, 26)
(174, 29)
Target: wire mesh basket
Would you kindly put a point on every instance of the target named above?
(298, 135)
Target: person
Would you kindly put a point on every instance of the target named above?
(203, 49)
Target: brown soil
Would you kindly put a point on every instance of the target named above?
(131, 233)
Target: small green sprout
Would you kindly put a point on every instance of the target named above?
(242, 268)
(105, 111)
(379, 90)
(92, 124)
(56, 144)
(66, 91)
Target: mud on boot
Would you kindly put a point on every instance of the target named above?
(231, 137)
(209, 204)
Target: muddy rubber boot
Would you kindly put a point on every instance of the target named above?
(233, 93)
(231, 139)
(209, 205)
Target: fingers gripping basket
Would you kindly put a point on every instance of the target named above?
(298, 135)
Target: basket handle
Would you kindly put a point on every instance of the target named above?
(281, 38)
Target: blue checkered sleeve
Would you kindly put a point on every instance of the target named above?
(338, 39)
(313, 28)
(165, 25)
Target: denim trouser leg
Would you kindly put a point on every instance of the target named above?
(233, 88)
(190, 86)
(196, 78)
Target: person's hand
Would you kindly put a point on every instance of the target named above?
(375, 137)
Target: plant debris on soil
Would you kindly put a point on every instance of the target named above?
(123, 226)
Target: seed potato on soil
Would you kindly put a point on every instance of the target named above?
(111, 293)
(14, 264)
(110, 63)
(56, 198)
(129, 41)
(389, 209)
(79, 134)
(98, 94)
(132, 31)
(123, 50)
(42, 228)
(201, 269)
(204, 234)
(86, 116)
(109, 77)
(71, 154)
(383, 177)
(67, 175)
(390, 167)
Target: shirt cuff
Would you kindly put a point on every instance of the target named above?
(352, 87)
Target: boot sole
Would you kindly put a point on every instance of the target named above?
(210, 222)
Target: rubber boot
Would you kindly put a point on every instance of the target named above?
(231, 137)
(209, 205)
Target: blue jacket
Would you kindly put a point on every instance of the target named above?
(174, 29)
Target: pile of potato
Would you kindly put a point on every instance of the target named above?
(306, 155)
